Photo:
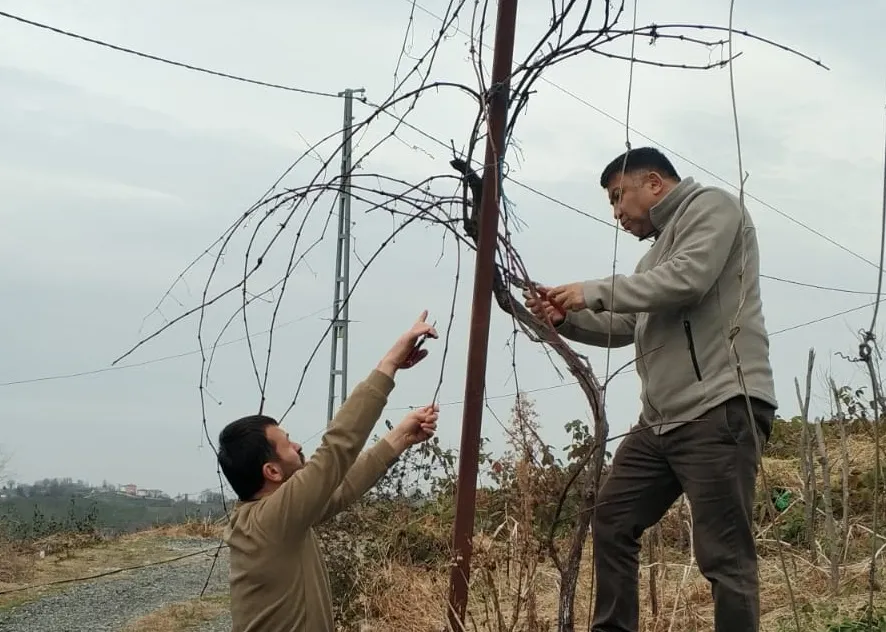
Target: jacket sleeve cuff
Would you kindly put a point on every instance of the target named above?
(593, 295)
(567, 327)
(384, 452)
(380, 382)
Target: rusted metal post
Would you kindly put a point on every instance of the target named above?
(481, 308)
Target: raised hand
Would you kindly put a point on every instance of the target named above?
(417, 426)
(407, 350)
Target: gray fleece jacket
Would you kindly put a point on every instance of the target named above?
(679, 306)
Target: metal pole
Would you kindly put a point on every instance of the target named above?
(342, 279)
(478, 342)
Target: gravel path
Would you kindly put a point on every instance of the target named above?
(109, 603)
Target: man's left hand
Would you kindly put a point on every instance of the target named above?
(569, 297)
(417, 426)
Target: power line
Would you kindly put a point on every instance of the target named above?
(550, 198)
(65, 376)
(120, 367)
(336, 96)
(560, 202)
(824, 318)
(705, 170)
(628, 370)
(522, 185)
(133, 365)
(91, 372)
(164, 60)
(518, 183)
(410, 126)
(815, 286)
(564, 384)
(504, 396)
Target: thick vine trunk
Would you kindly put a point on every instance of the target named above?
(592, 467)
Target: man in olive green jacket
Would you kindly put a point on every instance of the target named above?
(278, 578)
(692, 302)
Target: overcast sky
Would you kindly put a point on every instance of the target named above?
(118, 171)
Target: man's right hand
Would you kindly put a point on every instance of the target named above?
(541, 307)
(404, 354)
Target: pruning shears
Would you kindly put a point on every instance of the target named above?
(423, 337)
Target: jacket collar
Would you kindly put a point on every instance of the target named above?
(662, 212)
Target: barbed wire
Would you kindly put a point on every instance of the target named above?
(165, 60)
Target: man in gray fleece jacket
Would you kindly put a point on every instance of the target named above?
(691, 308)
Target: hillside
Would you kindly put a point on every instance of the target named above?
(47, 507)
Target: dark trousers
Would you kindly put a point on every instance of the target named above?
(714, 461)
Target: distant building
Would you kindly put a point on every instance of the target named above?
(133, 490)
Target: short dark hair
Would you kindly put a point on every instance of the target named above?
(243, 451)
(639, 159)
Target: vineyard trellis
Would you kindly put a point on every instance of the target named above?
(276, 222)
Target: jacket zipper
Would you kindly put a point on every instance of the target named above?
(688, 329)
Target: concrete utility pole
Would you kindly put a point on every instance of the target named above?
(338, 366)
(466, 491)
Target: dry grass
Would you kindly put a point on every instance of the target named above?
(402, 596)
(204, 528)
(785, 472)
(414, 600)
(68, 557)
(16, 563)
(181, 616)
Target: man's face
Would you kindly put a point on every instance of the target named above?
(632, 195)
(290, 457)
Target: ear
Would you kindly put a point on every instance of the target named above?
(272, 472)
(656, 183)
